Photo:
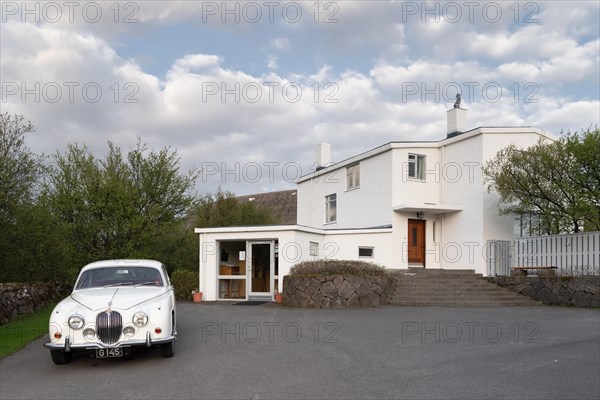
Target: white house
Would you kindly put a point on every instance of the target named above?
(401, 204)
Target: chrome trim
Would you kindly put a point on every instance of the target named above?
(127, 343)
(67, 344)
(109, 326)
(148, 340)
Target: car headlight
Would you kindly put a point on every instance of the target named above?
(129, 331)
(76, 322)
(89, 333)
(140, 319)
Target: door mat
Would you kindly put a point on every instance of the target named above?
(250, 303)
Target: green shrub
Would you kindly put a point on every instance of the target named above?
(184, 281)
(338, 267)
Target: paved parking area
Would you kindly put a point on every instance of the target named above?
(256, 352)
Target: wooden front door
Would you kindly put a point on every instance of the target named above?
(416, 241)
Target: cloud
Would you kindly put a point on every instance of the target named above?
(197, 61)
(280, 43)
(272, 62)
(217, 113)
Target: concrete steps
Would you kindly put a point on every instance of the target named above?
(450, 288)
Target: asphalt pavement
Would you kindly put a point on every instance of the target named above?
(265, 352)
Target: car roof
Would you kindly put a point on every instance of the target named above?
(124, 263)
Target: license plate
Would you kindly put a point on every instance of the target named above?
(109, 353)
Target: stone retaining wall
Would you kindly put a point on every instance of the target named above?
(335, 291)
(580, 291)
(24, 298)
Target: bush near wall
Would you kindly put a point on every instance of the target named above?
(24, 298)
(338, 267)
(184, 281)
(335, 284)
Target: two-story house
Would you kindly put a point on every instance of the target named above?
(409, 203)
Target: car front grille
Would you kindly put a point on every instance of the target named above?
(109, 325)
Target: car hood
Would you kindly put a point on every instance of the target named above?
(119, 298)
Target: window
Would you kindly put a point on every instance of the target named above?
(314, 249)
(331, 208)
(353, 177)
(416, 166)
(365, 252)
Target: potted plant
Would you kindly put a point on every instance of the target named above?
(197, 296)
(278, 298)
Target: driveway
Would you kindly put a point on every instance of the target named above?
(228, 351)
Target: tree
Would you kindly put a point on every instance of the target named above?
(224, 209)
(19, 167)
(119, 206)
(557, 181)
(31, 246)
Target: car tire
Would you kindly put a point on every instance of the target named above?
(168, 349)
(60, 357)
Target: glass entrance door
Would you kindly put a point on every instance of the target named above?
(260, 268)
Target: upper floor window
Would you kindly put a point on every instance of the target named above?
(416, 166)
(353, 177)
(331, 208)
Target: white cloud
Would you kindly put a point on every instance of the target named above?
(212, 113)
(197, 61)
(280, 43)
(272, 62)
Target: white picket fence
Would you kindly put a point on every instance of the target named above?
(498, 257)
(573, 254)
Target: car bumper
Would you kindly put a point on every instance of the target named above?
(67, 346)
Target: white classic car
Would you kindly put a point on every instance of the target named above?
(115, 306)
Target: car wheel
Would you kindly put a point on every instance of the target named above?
(168, 349)
(61, 357)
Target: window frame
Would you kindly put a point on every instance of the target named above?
(331, 217)
(353, 176)
(418, 163)
(371, 248)
(313, 249)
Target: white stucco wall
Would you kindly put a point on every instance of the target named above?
(407, 190)
(462, 231)
(294, 247)
(454, 239)
(364, 207)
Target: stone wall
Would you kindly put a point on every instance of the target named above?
(335, 291)
(580, 291)
(24, 298)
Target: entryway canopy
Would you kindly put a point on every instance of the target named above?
(428, 208)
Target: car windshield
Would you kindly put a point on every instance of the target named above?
(119, 276)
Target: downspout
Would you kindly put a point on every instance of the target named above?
(200, 260)
(442, 201)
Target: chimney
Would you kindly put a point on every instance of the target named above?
(457, 121)
(323, 155)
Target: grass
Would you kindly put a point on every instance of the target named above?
(23, 330)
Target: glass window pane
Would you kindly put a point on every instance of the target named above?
(232, 288)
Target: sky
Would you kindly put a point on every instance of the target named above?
(245, 91)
